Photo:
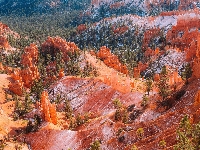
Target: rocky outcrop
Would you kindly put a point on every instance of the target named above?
(4, 43)
(54, 45)
(17, 85)
(81, 28)
(196, 61)
(48, 110)
(111, 60)
(29, 73)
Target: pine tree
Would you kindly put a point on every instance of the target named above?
(187, 73)
(95, 145)
(148, 83)
(163, 86)
(68, 109)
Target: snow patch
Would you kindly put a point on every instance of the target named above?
(64, 140)
(148, 115)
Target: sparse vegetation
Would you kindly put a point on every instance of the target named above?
(140, 132)
(188, 135)
(164, 90)
(162, 144)
(95, 145)
(186, 73)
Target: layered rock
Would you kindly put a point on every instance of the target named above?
(111, 60)
(48, 109)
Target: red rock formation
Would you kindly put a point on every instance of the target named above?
(1, 67)
(142, 67)
(17, 85)
(29, 60)
(156, 77)
(81, 28)
(197, 99)
(174, 78)
(26, 76)
(104, 53)
(56, 44)
(3, 28)
(61, 73)
(29, 75)
(4, 43)
(196, 62)
(111, 60)
(92, 52)
(149, 52)
(148, 35)
(120, 30)
(191, 51)
(117, 5)
(136, 72)
(184, 33)
(48, 109)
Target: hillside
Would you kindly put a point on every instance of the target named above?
(110, 75)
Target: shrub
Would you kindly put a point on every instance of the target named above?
(140, 132)
(95, 145)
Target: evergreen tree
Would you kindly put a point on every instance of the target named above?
(187, 73)
(163, 86)
(95, 145)
(148, 83)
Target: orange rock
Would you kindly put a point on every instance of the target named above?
(48, 109)
(29, 75)
(156, 77)
(1, 66)
(104, 52)
(120, 30)
(53, 115)
(81, 28)
(149, 52)
(132, 84)
(4, 43)
(196, 68)
(61, 73)
(92, 52)
(111, 60)
(157, 51)
(197, 99)
(16, 87)
(142, 66)
(136, 72)
(57, 44)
